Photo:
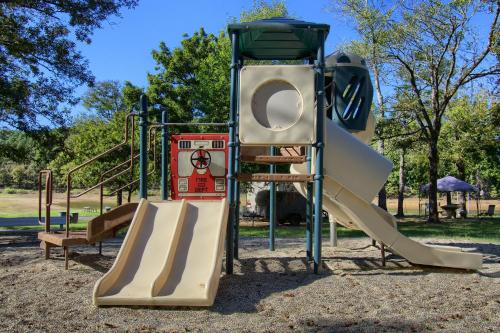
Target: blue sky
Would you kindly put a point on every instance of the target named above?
(121, 50)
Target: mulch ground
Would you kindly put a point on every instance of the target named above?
(269, 292)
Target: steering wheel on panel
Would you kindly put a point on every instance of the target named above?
(200, 159)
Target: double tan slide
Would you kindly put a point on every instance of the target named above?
(354, 173)
(171, 255)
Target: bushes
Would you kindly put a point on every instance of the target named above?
(16, 175)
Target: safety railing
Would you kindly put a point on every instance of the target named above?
(151, 144)
(48, 197)
(128, 118)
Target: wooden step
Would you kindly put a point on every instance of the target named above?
(293, 151)
(59, 238)
(276, 177)
(269, 159)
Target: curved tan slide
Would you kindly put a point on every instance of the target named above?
(354, 173)
(171, 255)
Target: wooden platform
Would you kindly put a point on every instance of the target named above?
(276, 177)
(58, 238)
(269, 159)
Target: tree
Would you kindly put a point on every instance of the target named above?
(433, 52)
(404, 136)
(176, 84)
(92, 135)
(262, 9)
(40, 66)
(436, 53)
(470, 141)
(104, 99)
(372, 25)
(192, 81)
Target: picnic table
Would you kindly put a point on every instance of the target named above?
(450, 210)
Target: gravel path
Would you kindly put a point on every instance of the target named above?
(269, 292)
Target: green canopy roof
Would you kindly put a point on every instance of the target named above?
(279, 38)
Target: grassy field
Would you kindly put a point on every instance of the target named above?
(484, 228)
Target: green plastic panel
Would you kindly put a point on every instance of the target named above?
(352, 97)
(279, 38)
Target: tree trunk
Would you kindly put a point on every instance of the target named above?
(382, 195)
(461, 175)
(119, 198)
(433, 177)
(402, 183)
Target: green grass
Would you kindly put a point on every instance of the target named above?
(485, 229)
(54, 227)
(81, 213)
(9, 190)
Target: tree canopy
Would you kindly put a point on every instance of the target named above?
(40, 65)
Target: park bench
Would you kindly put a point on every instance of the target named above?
(489, 212)
(33, 221)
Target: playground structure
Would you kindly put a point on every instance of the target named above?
(172, 254)
(106, 224)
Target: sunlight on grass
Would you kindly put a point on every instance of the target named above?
(486, 229)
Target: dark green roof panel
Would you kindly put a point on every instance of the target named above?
(279, 38)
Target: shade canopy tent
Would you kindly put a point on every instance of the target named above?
(451, 184)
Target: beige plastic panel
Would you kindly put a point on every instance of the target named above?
(353, 175)
(352, 163)
(171, 256)
(367, 135)
(277, 105)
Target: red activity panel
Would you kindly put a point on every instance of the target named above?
(199, 166)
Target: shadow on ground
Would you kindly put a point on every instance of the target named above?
(260, 281)
(358, 325)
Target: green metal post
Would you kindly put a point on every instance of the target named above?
(232, 152)
(164, 156)
(318, 177)
(272, 206)
(237, 167)
(143, 147)
(309, 207)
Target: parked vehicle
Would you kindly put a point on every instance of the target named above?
(290, 206)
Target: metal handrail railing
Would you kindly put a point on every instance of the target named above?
(151, 142)
(101, 191)
(70, 173)
(48, 197)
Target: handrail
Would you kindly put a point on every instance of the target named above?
(68, 177)
(48, 197)
(101, 191)
(151, 142)
(189, 124)
(136, 180)
(99, 184)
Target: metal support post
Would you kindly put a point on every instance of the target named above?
(143, 148)
(237, 193)
(272, 205)
(333, 230)
(237, 209)
(237, 167)
(309, 207)
(318, 178)
(232, 153)
(164, 156)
